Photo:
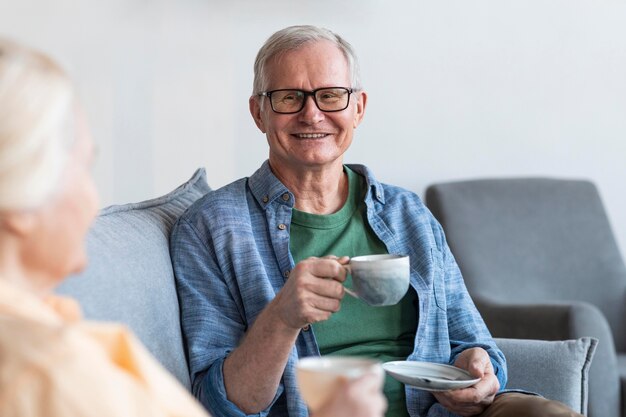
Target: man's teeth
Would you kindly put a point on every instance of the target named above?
(311, 135)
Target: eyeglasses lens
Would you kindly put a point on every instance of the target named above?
(326, 99)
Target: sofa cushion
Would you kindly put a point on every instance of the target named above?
(557, 370)
(129, 278)
(621, 367)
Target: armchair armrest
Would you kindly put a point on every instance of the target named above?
(562, 321)
(558, 321)
(558, 370)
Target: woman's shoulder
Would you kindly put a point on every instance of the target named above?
(82, 368)
(31, 349)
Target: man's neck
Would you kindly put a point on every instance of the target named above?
(321, 191)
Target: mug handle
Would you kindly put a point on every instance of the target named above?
(348, 290)
(352, 293)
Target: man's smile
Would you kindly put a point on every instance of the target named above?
(310, 135)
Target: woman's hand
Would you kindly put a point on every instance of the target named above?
(361, 397)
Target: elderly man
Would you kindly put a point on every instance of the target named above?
(259, 262)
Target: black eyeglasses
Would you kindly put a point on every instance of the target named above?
(328, 99)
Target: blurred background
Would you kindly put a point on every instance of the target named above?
(457, 89)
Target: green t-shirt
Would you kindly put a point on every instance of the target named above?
(384, 333)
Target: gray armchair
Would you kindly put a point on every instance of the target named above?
(541, 262)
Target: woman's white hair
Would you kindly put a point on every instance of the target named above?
(36, 126)
(293, 37)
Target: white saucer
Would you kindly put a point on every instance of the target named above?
(429, 376)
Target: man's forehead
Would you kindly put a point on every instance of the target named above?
(320, 58)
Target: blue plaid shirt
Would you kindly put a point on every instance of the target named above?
(231, 256)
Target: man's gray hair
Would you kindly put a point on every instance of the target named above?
(293, 37)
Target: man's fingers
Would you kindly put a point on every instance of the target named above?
(472, 395)
(330, 305)
(312, 292)
(464, 402)
(324, 268)
(477, 367)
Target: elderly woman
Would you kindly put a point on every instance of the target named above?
(53, 364)
(258, 279)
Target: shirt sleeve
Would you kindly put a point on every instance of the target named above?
(211, 318)
(465, 324)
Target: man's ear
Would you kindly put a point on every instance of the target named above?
(360, 108)
(18, 223)
(255, 111)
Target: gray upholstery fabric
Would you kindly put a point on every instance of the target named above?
(540, 260)
(130, 279)
(558, 370)
(621, 364)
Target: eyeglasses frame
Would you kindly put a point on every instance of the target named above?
(306, 94)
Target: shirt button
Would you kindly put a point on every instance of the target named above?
(286, 273)
(286, 197)
(282, 226)
(306, 328)
(266, 199)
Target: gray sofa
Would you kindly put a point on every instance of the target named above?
(130, 280)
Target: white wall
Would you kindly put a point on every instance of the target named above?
(457, 89)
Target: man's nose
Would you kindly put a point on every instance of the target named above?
(310, 113)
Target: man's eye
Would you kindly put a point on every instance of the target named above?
(331, 96)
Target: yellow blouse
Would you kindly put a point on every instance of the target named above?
(53, 364)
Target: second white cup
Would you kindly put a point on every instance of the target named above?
(319, 377)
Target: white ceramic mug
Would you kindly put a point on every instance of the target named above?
(319, 377)
(379, 280)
